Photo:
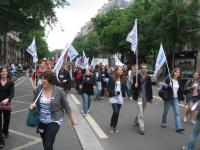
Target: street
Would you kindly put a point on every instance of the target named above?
(25, 138)
(91, 133)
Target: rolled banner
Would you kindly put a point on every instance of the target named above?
(195, 105)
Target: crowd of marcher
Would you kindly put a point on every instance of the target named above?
(96, 83)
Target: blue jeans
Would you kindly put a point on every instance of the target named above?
(193, 136)
(48, 134)
(129, 86)
(86, 102)
(97, 91)
(175, 106)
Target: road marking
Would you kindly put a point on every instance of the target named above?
(100, 133)
(75, 99)
(24, 90)
(14, 112)
(19, 82)
(21, 102)
(30, 143)
(27, 145)
(24, 135)
(96, 127)
(24, 96)
(182, 105)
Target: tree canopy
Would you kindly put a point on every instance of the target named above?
(29, 18)
(18, 15)
(172, 22)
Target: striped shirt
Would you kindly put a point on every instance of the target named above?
(45, 113)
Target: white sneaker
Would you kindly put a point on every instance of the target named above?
(184, 148)
(185, 119)
(84, 115)
(192, 121)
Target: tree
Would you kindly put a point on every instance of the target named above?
(41, 45)
(172, 22)
(89, 43)
(17, 15)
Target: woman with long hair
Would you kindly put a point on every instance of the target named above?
(116, 88)
(192, 88)
(51, 103)
(87, 90)
(6, 95)
(177, 95)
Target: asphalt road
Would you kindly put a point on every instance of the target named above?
(155, 138)
(25, 138)
(93, 129)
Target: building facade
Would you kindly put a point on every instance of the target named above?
(8, 49)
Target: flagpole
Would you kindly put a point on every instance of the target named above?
(136, 54)
(35, 74)
(168, 69)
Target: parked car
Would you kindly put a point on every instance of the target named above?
(153, 78)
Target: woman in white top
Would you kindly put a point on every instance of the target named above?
(117, 87)
(177, 95)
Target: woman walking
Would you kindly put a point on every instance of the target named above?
(192, 88)
(116, 88)
(6, 95)
(87, 90)
(177, 95)
(51, 103)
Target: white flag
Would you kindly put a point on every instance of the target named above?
(133, 38)
(93, 63)
(32, 50)
(82, 62)
(118, 62)
(59, 63)
(72, 53)
(161, 59)
(84, 54)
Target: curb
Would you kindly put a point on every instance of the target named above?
(87, 138)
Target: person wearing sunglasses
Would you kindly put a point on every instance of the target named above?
(142, 88)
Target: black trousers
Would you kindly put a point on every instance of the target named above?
(48, 134)
(114, 119)
(4, 123)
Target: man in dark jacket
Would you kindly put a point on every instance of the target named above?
(142, 88)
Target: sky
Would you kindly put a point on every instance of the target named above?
(70, 20)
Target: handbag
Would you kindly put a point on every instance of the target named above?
(33, 117)
(166, 94)
(7, 106)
